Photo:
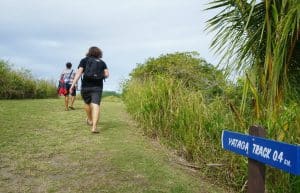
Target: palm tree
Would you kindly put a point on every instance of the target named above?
(262, 40)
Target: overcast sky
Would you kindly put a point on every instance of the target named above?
(42, 35)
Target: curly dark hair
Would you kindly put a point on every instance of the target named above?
(94, 52)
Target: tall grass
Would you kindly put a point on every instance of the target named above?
(191, 118)
(187, 122)
(20, 84)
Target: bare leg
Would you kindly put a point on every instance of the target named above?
(95, 115)
(72, 101)
(88, 111)
(66, 103)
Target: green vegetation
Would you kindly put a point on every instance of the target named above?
(178, 98)
(46, 149)
(249, 31)
(261, 39)
(111, 94)
(21, 85)
(187, 102)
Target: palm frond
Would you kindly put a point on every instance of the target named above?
(261, 36)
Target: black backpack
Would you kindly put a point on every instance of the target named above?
(93, 69)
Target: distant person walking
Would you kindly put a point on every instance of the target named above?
(94, 71)
(68, 76)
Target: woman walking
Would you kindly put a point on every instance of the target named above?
(94, 70)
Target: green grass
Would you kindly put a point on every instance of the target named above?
(46, 149)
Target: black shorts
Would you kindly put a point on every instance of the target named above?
(90, 96)
(68, 86)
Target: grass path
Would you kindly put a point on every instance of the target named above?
(46, 149)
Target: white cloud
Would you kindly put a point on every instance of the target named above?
(43, 35)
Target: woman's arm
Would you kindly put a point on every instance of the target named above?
(76, 78)
(106, 73)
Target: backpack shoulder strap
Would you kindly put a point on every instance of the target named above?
(70, 74)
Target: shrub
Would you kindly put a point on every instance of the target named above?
(187, 102)
(21, 84)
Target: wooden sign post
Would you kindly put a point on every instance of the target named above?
(261, 151)
(256, 170)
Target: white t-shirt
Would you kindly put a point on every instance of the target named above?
(67, 76)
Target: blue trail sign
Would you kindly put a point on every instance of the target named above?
(280, 155)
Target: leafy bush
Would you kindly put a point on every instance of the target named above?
(111, 94)
(181, 98)
(21, 84)
(187, 102)
(194, 72)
